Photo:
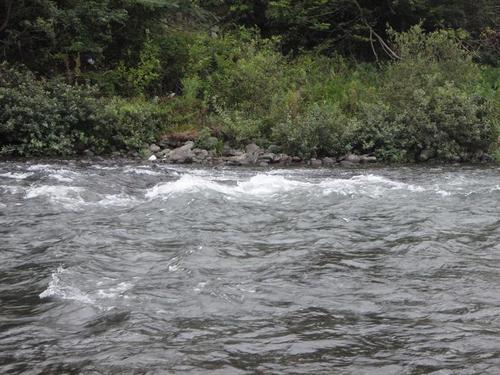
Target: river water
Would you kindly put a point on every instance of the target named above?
(125, 268)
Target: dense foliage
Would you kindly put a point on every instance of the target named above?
(403, 80)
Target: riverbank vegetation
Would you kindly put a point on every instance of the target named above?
(405, 81)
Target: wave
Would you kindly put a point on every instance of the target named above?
(143, 171)
(16, 176)
(57, 193)
(272, 184)
(57, 289)
(61, 287)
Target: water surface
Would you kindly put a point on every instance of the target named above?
(127, 268)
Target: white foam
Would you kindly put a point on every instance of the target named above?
(270, 184)
(16, 176)
(59, 174)
(369, 185)
(61, 287)
(62, 194)
(11, 189)
(57, 289)
(141, 171)
(117, 200)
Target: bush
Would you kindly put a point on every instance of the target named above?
(49, 117)
(429, 105)
(40, 117)
(320, 131)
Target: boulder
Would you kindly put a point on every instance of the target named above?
(328, 161)
(284, 159)
(275, 149)
(154, 148)
(200, 155)
(346, 163)
(252, 148)
(183, 154)
(228, 151)
(352, 158)
(315, 162)
(237, 160)
(268, 157)
(368, 159)
(152, 158)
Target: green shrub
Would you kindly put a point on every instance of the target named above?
(48, 117)
(135, 123)
(429, 104)
(320, 131)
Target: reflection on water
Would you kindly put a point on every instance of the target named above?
(127, 268)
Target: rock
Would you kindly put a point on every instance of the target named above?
(368, 159)
(267, 157)
(275, 149)
(154, 148)
(352, 158)
(183, 154)
(426, 155)
(252, 148)
(201, 155)
(284, 159)
(236, 160)
(328, 161)
(346, 163)
(178, 139)
(263, 164)
(296, 159)
(152, 158)
(88, 153)
(228, 151)
(486, 158)
(315, 163)
(164, 153)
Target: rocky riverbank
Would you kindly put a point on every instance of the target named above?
(252, 155)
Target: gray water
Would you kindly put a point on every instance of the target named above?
(124, 268)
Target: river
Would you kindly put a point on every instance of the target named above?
(110, 267)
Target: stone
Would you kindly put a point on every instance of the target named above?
(252, 148)
(328, 161)
(183, 154)
(296, 159)
(237, 160)
(268, 157)
(154, 148)
(426, 155)
(263, 164)
(315, 162)
(284, 159)
(275, 149)
(368, 159)
(152, 158)
(352, 158)
(228, 151)
(88, 153)
(346, 163)
(201, 155)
